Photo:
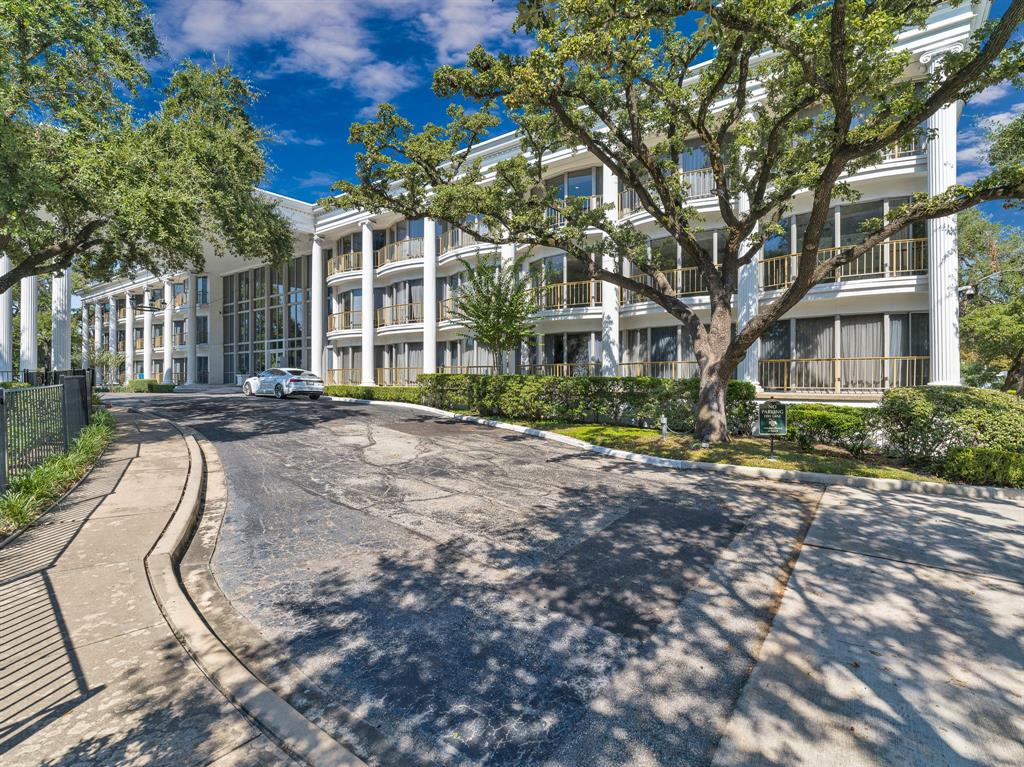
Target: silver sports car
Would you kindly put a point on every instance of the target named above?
(280, 382)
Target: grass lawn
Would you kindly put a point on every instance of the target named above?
(741, 451)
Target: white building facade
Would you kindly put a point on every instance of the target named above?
(367, 299)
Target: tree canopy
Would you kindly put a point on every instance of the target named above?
(88, 182)
(780, 97)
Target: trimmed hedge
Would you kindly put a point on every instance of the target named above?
(850, 428)
(985, 466)
(920, 425)
(382, 393)
(149, 386)
(584, 399)
(14, 384)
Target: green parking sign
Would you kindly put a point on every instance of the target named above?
(771, 419)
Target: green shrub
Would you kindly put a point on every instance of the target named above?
(14, 384)
(921, 424)
(580, 399)
(850, 428)
(148, 386)
(382, 393)
(985, 466)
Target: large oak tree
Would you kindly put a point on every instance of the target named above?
(88, 181)
(785, 96)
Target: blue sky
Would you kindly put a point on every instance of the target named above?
(321, 64)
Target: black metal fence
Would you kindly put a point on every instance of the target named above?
(39, 422)
(50, 377)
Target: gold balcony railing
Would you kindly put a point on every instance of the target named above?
(121, 313)
(686, 281)
(842, 374)
(402, 250)
(399, 314)
(396, 376)
(179, 339)
(467, 369)
(905, 147)
(445, 309)
(344, 376)
(629, 203)
(894, 258)
(454, 239)
(345, 321)
(158, 342)
(180, 300)
(345, 262)
(156, 304)
(660, 369)
(120, 346)
(699, 182)
(569, 295)
(140, 343)
(563, 369)
(556, 215)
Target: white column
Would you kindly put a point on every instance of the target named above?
(85, 336)
(147, 334)
(112, 326)
(129, 337)
(367, 334)
(29, 311)
(317, 286)
(6, 327)
(190, 331)
(60, 358)
(943, 278)
(747, 303)
(168, 331)
(429, 296)
(507, 255)
(97, 336)
(610, 292)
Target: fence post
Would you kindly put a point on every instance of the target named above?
(3, 441)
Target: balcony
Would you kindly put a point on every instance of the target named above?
(399, 314)
(563, 369)
(344, 377)
(180, 300)
(569, 295)
(556, 216)
(156, 304)
(158, 342)
(345, 262)
(895, 258)
(403, 250)
(660, 369)
(850, 375)
(351, 320)
(467, 369)
(121, 313)
(179, 339)
(396, 376)
(686, 281)
(140, 344)
(698, 183)
(120, 346)
(454, 239)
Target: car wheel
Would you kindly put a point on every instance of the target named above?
(279, 391)
(314, 397)
(247, 390)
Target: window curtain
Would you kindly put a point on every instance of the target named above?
(815, 347)
(862, 345)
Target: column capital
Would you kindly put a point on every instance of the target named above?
(933, 59)
(318, 240)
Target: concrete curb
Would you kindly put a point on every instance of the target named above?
(750, 472)
(287, 727)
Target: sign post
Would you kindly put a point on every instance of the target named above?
(771, 420)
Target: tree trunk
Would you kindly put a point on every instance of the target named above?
(1015, 376)
(710, 423)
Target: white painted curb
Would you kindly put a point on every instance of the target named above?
(753, 472)
(293, 732)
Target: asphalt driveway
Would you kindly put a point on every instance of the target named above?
(479, 597)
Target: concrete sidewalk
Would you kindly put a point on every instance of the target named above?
(90, 672)
(899, 640)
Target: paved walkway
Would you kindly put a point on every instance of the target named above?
(90, 673)
(899, 640)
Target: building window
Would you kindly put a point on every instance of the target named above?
(202, 330)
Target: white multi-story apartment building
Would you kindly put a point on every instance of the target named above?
(366, 299)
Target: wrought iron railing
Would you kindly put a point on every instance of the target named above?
(556, 215)
(893, 258)
(686, 281)
(344, 376)
(569, 295)
(660, 369)
(563, 369)
(345, 262)
(350, 320)
(396, 376)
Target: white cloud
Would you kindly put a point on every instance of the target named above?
(337, 40)
(289, 136)
(1001, 118)
(317, 179)
(992, 94)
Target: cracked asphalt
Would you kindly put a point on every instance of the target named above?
(481, 597)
